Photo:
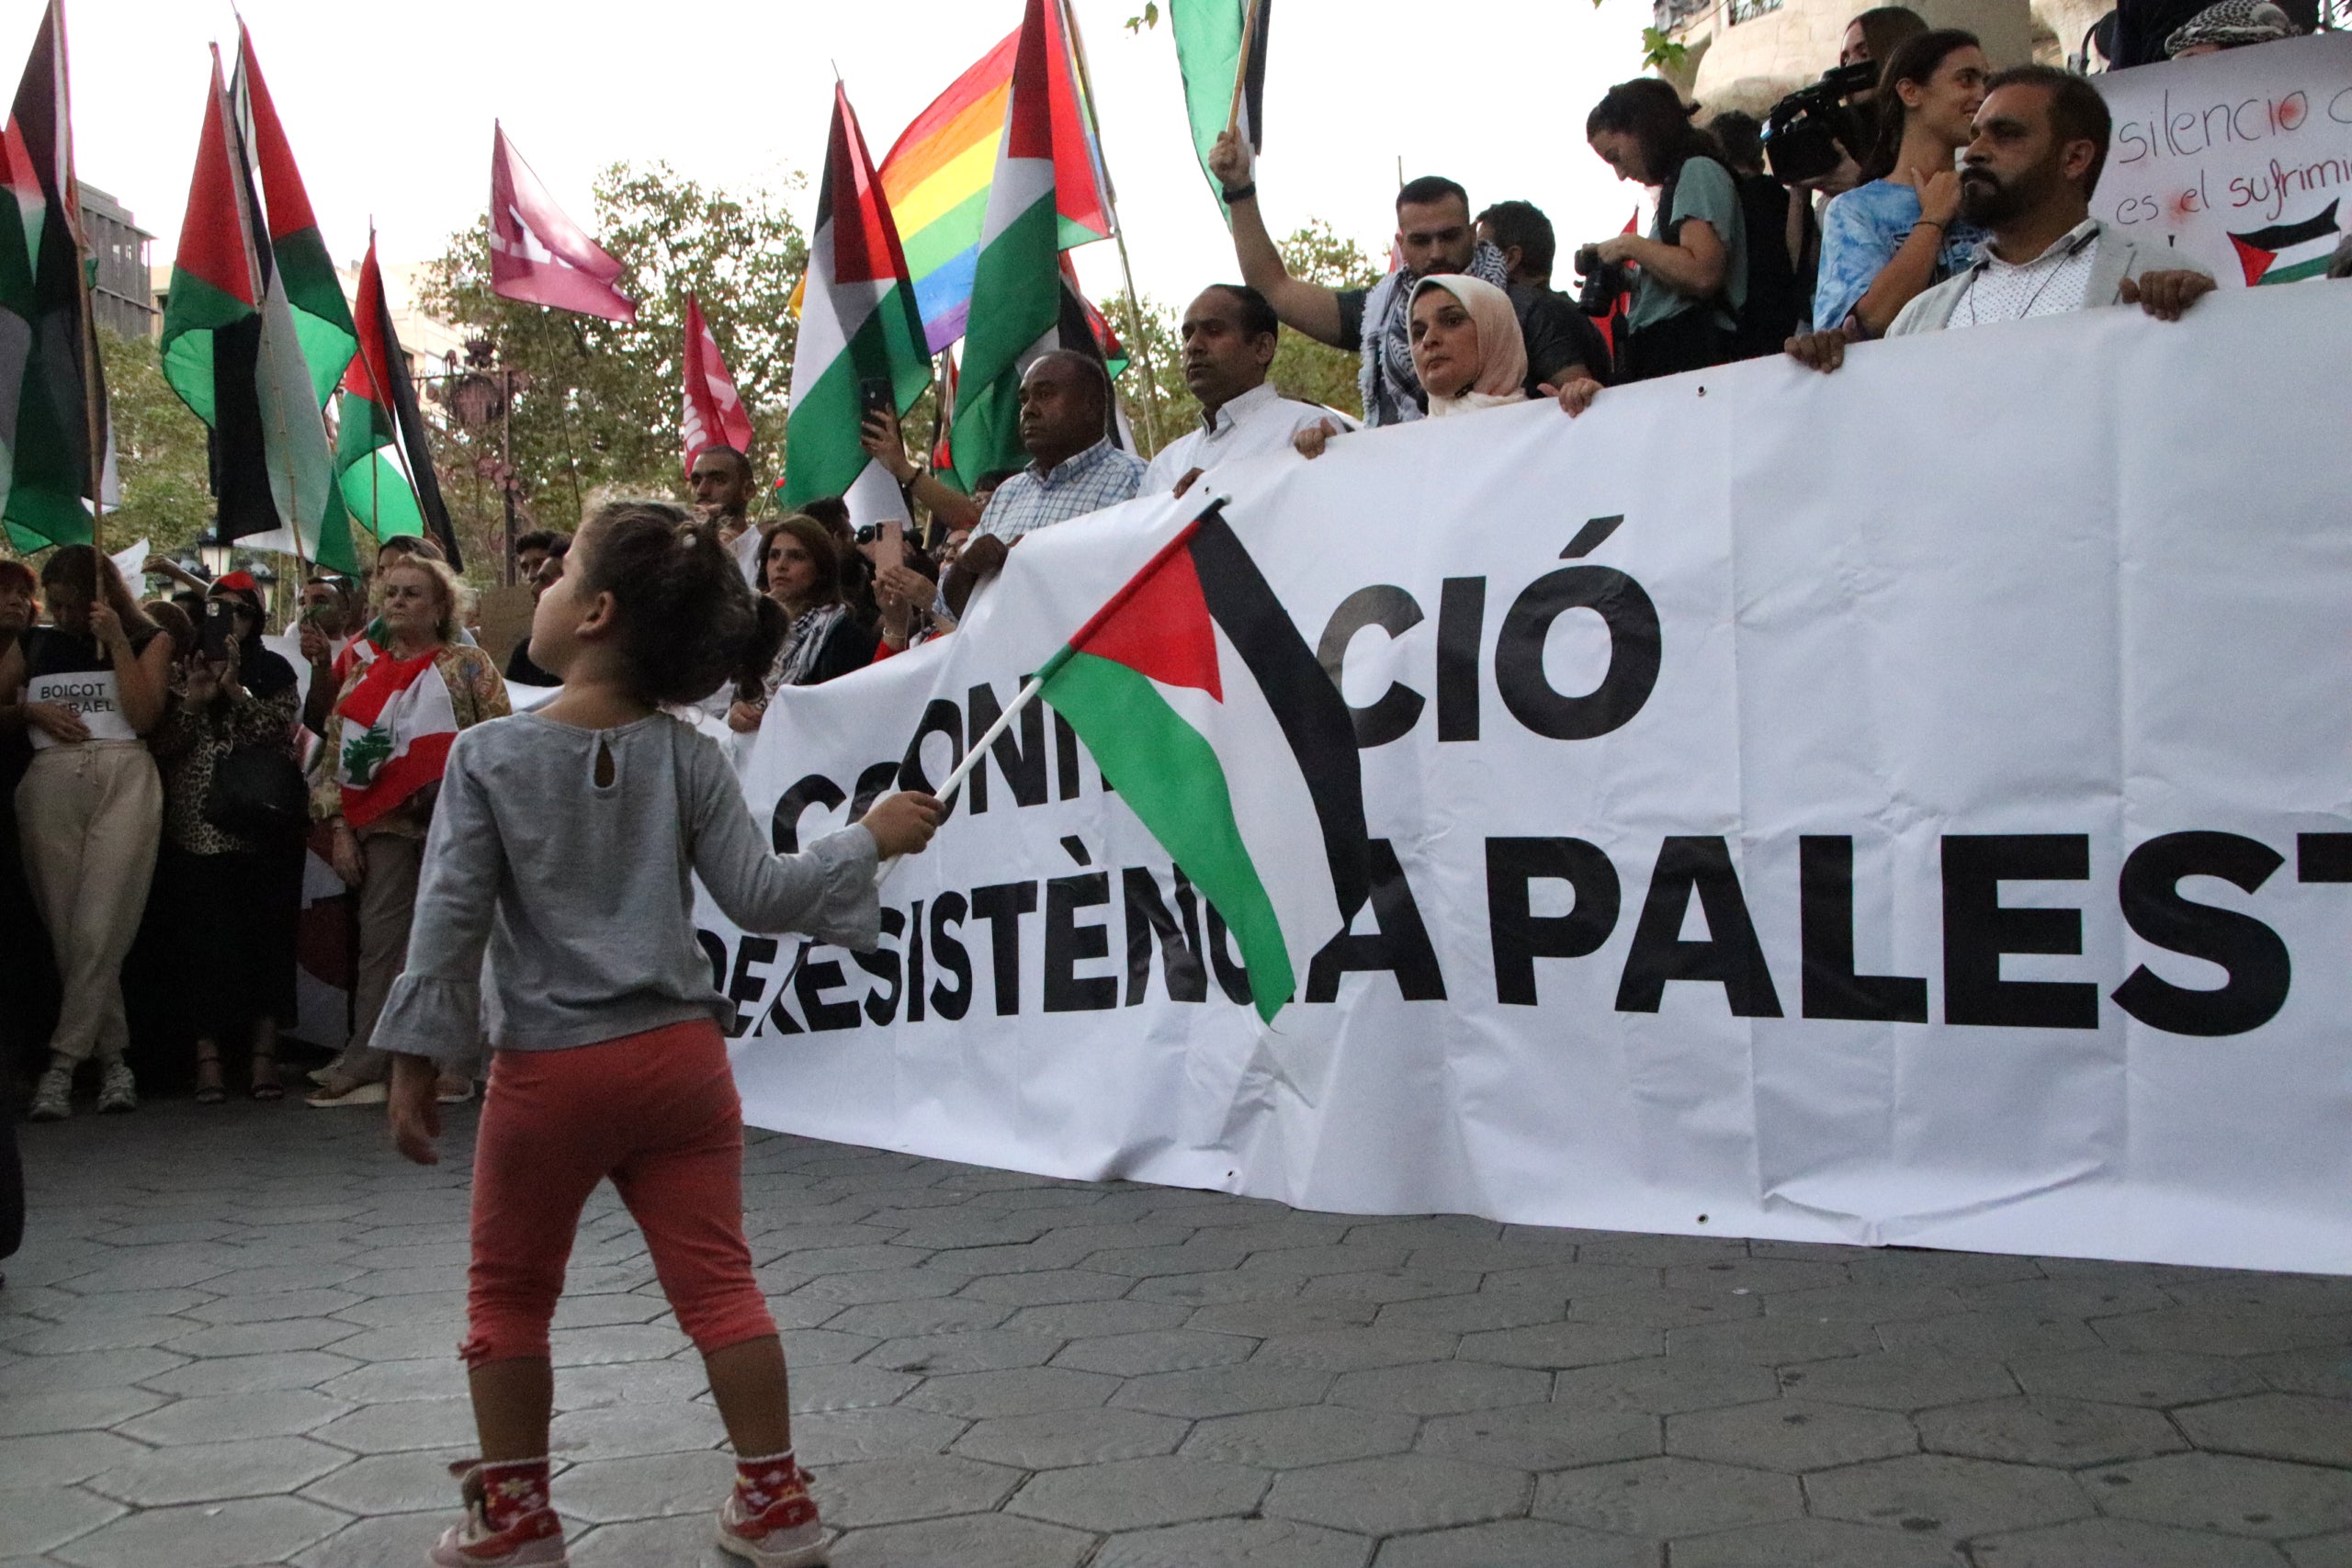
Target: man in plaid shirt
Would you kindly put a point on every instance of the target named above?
(1073, 469)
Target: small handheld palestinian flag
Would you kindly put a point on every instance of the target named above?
(1201, 702)
(2289, 252)
(397, 727)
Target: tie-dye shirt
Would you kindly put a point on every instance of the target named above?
(1860, 232)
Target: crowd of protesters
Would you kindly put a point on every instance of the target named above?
(169, 781)
(151, 813)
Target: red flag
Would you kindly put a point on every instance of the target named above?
(1613, 323)
(540, 256)
(715, 414)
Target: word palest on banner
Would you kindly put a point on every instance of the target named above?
(1904, 806)
(2242, 161)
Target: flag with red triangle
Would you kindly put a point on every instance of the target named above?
(383, 464)
(231, 350)
(861, 341)
(53, 388)
(304, 270)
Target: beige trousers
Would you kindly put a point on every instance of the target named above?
(90, 817)
(387, 908)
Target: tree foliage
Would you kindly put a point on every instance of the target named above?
(1305, 369)
(160, 451)
(597, 402)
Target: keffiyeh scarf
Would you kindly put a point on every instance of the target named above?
(797, 657)
(1390, 390)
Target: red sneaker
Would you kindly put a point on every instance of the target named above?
(781, 1532)
(533, 1539)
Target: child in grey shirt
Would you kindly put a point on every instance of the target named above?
(564, 843)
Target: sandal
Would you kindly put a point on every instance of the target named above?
(210, 1091)
(265, 1086)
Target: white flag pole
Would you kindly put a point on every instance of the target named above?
(972, 756)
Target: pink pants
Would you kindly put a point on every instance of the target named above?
(657, 1113)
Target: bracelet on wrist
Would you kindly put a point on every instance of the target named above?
(1240, 193)
(1935, 223)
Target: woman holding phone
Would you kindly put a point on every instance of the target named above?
(90, 810)
(235, 898)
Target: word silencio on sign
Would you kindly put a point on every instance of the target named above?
(927, 967)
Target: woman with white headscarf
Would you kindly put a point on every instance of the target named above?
(1467, 351)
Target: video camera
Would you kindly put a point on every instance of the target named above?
(1805, 132)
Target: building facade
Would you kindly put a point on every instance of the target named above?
(120, 299)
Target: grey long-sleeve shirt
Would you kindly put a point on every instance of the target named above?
(582, 892)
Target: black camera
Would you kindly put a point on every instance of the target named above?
(1604, 282)
(1805, 132)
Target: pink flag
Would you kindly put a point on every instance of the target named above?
(715, 416)
(540, 256)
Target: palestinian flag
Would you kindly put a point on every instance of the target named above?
(305, 272)
(383, 466)
(1016, 284)
(231, 351)
(397, 723)
(1221, 86)
(47, 464)
(2288, 252)
(858, 325)
(1198, 697)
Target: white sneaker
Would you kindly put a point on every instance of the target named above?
(53, 1096)
(118, 1091)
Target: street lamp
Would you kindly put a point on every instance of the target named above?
(218, 555)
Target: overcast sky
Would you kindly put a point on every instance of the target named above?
(389, 107)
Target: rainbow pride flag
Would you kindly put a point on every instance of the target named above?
(936, 176)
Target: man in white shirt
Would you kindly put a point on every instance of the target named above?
(2041, 141)
(1230, 335)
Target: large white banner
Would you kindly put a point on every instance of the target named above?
(1906, 806)
(2242, 161)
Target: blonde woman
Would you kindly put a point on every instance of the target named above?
(386, 742)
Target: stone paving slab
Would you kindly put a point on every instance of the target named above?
(229, 1340)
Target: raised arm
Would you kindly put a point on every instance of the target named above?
(1303, 307)
(826, 891)
(1911, 269)
(885, 443)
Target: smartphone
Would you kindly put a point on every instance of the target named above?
(874, 396)
(219, 631)
(889, 546)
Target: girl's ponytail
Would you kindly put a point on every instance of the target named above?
(765, 635)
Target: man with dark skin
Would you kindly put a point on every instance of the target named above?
(1073, 468)
(1434, 234)
(2040, 140)
(721, 481)
(1230, 333)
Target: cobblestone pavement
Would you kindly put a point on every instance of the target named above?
(229, 1340)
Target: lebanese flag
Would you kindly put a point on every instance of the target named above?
(536, 253)
(714, 414)
(1194, 691)
(397, 723)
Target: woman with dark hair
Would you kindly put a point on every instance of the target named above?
(233, 900)
(800, 568)
(1899, 232)
(1693, 262)
(90, 809)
